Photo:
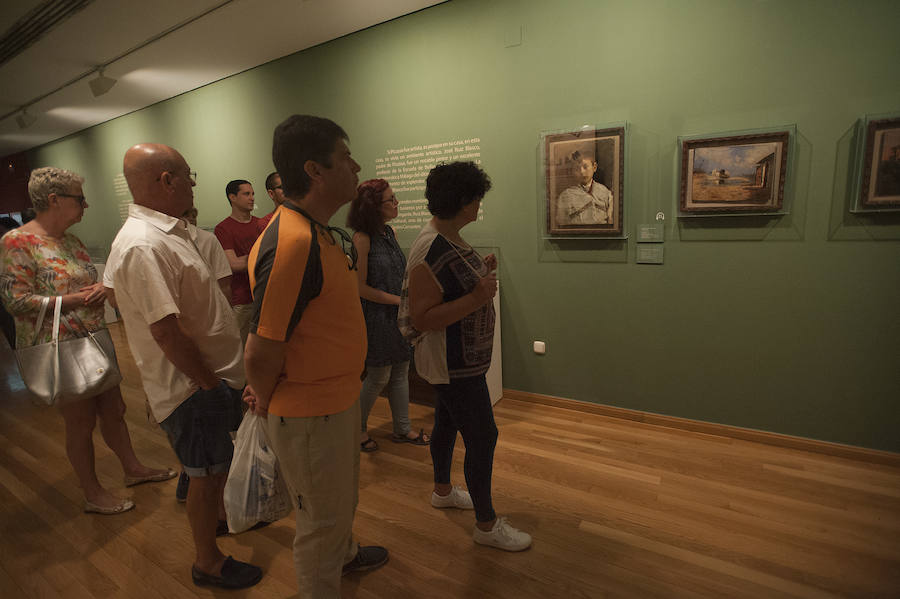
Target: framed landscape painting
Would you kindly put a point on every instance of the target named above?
(881, 165)
(584, 172)
(734, 174)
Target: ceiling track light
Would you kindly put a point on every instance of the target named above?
(25, 119)
(101, 84)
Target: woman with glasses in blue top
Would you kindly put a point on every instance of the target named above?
(381, 264)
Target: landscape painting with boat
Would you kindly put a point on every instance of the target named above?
(734, 174)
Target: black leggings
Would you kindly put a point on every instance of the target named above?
(464, 405)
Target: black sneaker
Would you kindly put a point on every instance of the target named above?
(181, 490)
(367, 558)
(234, 575)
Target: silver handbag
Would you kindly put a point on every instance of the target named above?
(58, 372)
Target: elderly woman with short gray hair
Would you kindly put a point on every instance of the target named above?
(40, 259)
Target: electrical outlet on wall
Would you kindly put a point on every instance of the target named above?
(540, 348)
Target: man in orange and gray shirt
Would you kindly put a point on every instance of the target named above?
(307, 348)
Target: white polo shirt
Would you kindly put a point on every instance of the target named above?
(156, 270)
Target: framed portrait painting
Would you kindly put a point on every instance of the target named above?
(880, 186)
(584, 171)
(734, 174)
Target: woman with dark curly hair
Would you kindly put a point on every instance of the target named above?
(447, 311)
(380, 270)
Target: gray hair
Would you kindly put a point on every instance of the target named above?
(47, 180)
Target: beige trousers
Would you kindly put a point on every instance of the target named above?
(319, 457)
(243, 313)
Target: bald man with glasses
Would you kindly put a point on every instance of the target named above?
(184, 335)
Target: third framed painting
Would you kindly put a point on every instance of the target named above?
(880, 183)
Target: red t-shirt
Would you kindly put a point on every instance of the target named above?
(239, 237)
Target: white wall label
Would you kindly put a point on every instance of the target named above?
(122, 194)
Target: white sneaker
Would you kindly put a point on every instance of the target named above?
(503, 536)
(456, 498)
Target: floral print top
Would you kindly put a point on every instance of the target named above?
(36, 266)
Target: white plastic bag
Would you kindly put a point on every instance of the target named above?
(255, 490)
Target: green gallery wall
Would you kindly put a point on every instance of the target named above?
(786, 324)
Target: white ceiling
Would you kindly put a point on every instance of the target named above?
(233, 36)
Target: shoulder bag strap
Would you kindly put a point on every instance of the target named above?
(56, 314)
(45, 301)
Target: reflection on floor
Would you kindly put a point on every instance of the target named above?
(617, 508)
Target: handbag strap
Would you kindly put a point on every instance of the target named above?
(57, 311)
(45, 301)
(40, 319)
(59, 318)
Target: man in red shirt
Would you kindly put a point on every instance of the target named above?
(237, 234)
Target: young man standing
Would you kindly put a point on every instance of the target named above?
(307, 349)
(237, 234)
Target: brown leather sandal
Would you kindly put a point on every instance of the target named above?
(417, 440)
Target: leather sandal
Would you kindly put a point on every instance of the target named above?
(417, 440)
(93, 508)
(369, 445)
(159, 477)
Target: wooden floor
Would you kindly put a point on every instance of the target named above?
(616, 508)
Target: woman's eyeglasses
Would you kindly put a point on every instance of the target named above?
(80, 199)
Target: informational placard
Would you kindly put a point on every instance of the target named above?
(650, 253)
(653, 232)
(122, 194)
(407, 167)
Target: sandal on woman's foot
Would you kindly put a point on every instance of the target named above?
(368, 446)
(157, 477)
(419, 439)
(122, 506)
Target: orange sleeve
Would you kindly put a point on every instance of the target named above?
(285, 274)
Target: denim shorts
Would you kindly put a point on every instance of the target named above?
(200, 430)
